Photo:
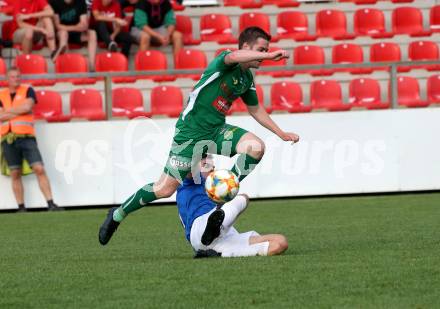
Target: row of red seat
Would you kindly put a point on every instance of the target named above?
(247, 4)
(329, 23)
(285, 96)
(155, 60)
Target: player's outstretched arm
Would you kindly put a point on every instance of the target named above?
(245, 55)
(263, 118)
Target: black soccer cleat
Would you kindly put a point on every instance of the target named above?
(54, 207)
(108, 227)
(206, 254)
(212, 230)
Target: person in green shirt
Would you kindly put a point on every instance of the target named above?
(155, 23)
(201, 127)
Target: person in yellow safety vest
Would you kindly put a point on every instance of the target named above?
(17, 134)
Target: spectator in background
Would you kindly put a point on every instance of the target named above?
(18, 136)
(156, 19)
(34, 22)
(108, 22)
(72, 26)
(128, 3)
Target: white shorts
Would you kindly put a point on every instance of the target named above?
(230, 242)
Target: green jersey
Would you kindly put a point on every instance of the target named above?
(212, 97)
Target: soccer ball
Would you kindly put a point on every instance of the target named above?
(222, 186)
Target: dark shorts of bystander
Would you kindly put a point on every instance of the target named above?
(21, 148)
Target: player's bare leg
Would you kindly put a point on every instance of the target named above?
(277, 243)
(251, 150)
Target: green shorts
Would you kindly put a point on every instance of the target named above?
(183, 157)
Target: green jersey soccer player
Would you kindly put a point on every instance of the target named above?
(201, 127)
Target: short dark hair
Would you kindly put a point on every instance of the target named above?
(251, 34)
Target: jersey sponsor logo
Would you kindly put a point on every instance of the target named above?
(176, 163)
(228, 134)
(221, 104)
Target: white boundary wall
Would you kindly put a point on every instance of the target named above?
(95, 163)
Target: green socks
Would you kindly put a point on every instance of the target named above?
(244, 165)
(141, 198)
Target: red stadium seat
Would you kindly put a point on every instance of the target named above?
(326, 94)
(177, 6)
(433, 89)
(128, 102)
(216, 27)
(365, 92)
(385, 52)
(423, 50)
(7, 8)
(238, 106)
(293, 25)
(310, 55)
(270, 63)
(360, 1)
(244, 4)
(409, 92)
(190, 59)
(113, 62)
(370, 22)
(166, 100)
(281, 3)
(33, 64)
(349, 53)
(3, 70)
(254, 19)
(332, 23)
(2, 67)
(8, 29)
(73, 63)
(152, 60)
(408, 20)
(86, 103)
(184, 26)
(435, 18)
(49, 106)
(287, 96)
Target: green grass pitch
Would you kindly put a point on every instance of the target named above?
(345, 252)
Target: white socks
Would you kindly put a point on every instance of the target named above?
(233, 209)
(260, 249)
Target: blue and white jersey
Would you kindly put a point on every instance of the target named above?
(192, 202)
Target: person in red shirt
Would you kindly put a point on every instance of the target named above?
(34, 22)
(108, 22)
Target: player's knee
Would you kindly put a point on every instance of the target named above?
(277, 245)
(91, 35)
(246, 197)
(177, 36)
(28, 34)
(16, 174)
(258, 149)
(63, 34)
(145, 37)
(283, 244)
(38, 169)
(164, 191)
